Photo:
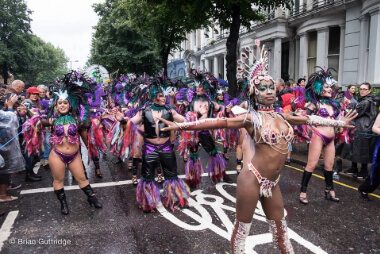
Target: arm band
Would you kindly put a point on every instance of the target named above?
(321, 121)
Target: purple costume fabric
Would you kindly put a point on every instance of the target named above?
(149, 148)
(66, 158)
(59, 134)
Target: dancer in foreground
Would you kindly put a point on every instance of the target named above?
(270, 134)
(65, 139)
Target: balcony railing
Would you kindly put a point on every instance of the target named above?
(311, 6)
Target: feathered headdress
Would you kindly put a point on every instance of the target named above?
(255, 72)
(316, 81)
(73, 88)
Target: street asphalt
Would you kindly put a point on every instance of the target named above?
(34, 224)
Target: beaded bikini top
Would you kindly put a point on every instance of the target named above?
(266, 133)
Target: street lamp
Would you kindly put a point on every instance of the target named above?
(71, 63)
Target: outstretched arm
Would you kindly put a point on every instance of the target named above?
(321, 121)
(208, 123)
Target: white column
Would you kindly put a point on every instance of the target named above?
(341, 54)
(225, 66)
(277, 58)
(216, 66)
(291, 59)
(303, 56)
(207, 64)
(297, 59)
(362, 71)
(322, 47)
(374, 48)
(198, 39)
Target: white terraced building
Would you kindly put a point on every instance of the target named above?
(342, 34)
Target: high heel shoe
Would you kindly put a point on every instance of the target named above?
(94, 201)
(62, 199)
(160, 178)
(329, 196)
(304, 200)
(134, 180)
(98, 173)
(91, 198)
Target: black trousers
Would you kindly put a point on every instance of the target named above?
(371, 183)
(162, 156)
(207, 142)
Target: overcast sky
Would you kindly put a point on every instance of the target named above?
(67, 24)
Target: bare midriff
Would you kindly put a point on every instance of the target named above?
(268, 162)
(158, 141)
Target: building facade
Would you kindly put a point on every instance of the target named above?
(342, 34)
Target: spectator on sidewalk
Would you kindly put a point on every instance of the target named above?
(11, 160)
(44, 108)
(363, 143)
(373, 180)
(15, 90)
(32, 104)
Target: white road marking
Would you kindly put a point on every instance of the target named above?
(5, 230)
(216, 203)
(100, 185)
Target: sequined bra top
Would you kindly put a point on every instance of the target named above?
(323, 112)
(267, 133)
(58, 134)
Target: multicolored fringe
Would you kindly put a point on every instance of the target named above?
(33, 135)
(193, 170)
(116, 137)
(302, 133)
(216, 166)
(147, 195)
(127, 141)
(188, 139)
(176, 193)
(95, 137)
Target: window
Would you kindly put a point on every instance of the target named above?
(312, 52)
(334, 48)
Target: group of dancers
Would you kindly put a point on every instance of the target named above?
(140, 118)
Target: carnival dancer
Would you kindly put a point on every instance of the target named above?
(136, 103)
(270, 133)
(320, 102)
(64, 140)
(229, 137)
(93, 135)
(158, 151)
(201, 106)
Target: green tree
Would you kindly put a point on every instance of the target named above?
(117, 46)
(43, 62)
(14, 31)
(232, 14)
(166, 21)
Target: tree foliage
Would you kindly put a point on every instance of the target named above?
(166, 21)
(232, 14)
(23, 54)
(14, 30)
(43, 62)
(119, 47)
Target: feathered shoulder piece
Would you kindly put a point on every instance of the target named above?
(253, 68)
